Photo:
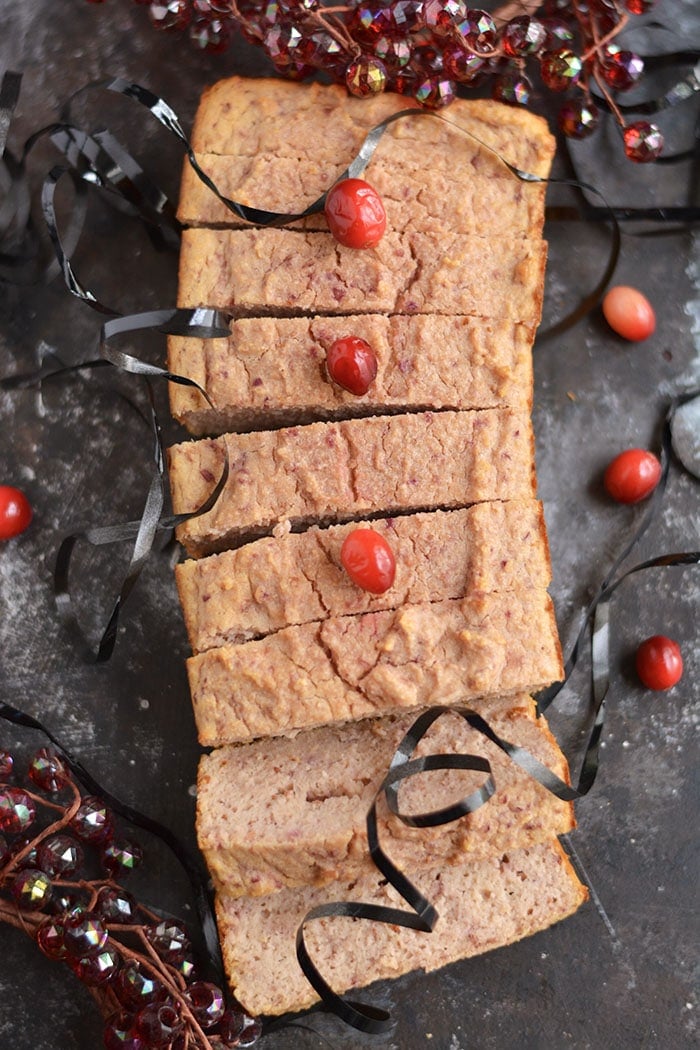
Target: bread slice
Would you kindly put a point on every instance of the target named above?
(340, 471)
(470, 197)
(482, 904)
(292, 812)
(351, 667)
(289, 272)
(298, 577)
(272, 372)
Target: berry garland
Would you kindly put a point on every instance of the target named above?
(138, 968)
(425, 49)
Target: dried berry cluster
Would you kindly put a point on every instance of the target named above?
(139, 969)
(424, 48)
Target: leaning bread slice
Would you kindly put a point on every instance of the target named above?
(351, 667)
(241, 116)
(292, 812)
(298, 577)
(272, 371)
(291, 272)
(482, 904)
(340, 471)
(481, 194)
(278, 147)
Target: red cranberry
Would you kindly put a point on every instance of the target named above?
(659, 662)
(355, 214)
(15, 512)
(368, 560)
(632, 476)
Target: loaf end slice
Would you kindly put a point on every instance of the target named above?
(482, 905)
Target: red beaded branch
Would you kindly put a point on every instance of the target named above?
(423, 49)
(138, 968)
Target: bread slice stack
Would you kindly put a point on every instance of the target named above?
(303, 682)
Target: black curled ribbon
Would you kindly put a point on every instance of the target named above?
(423, 916)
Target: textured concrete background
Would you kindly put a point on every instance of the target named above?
(76, 452)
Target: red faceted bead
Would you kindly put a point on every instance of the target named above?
(461, 65)
(523, 36)
(120, 858)
(60, 855)
(434, 92)
(366, 76)
(84, 933)
(118, 1034)
(643, 142)
(368, 560)
(352, 364)
(15, 512)
(395, 54)
(6, 765)
(169, 14)
(158, 1024)
(371, 20)
(426, 60)
(206, 1002)
(93, 821)
(252, 1031)
(31, 889)
(513, 88)
(170, 940)
(441, 16)
(578, 118)
(355, 214)
(134, 988)
(30, 858)
(98, 968)
(17, 811)
(284, 44)
(114, 905)
(49, 937)
(64, 901)
(408, 17)
(236, 1025)
(323, 51)
(560, 69)
(622, 69)
(478, 31)
(48, 770)
(558, 33)
(211, 35)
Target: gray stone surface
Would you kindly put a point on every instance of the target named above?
(83, 458)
